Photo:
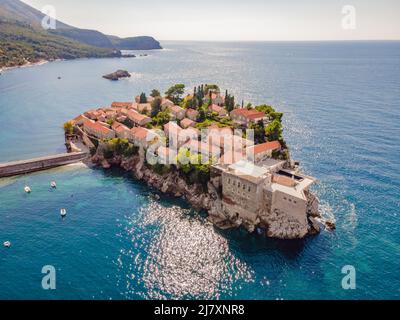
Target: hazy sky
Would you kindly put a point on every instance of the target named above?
(232, 19)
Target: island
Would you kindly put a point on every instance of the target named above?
(224, 157)
(115, 76)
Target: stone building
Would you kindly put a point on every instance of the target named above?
(266, 195)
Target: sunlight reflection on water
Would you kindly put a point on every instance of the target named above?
(185, 258)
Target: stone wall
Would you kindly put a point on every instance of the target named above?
(25, 166)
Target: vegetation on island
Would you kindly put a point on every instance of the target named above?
(69, 127)
(194, 171)
(200, 100)
(118, 147)
(193, 168)
(175, 93)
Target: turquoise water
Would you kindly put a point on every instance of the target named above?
(341, 102)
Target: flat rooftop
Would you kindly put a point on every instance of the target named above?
(247, 170)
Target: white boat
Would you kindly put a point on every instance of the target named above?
(7, 244)
(63, 212)
(53, 184)
(27, 189)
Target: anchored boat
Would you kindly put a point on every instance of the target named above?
(63, 212)
(27, 189)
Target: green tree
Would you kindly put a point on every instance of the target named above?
(155, 106)
(276, 116)
(143, 98)
(259, 132)
(274, 131)
(161, 118)
(229, 102)
(211, 87)
(265, 108)
(175, 93)
(68, 127)
(155, 93)
(201, 116)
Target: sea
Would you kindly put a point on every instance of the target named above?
(341, 105)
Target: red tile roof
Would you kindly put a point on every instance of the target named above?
(119, 127)
(172, 126)
(273, 145)
(217, 109)
(165, 100)
(80, 117)
(140, 132)
(187, 122)
(191, 112)
(97, 126)
(176, 109)
(121, 104)
(136, 116)
(249, 114)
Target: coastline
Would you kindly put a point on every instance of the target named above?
(209, 198)
(26, 65)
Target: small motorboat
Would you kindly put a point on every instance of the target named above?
(53, 184)
(155, 197)
(260, 231)
(27, 189)
(63, 212)
(7, 244)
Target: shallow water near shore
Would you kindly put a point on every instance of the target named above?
(342, 118)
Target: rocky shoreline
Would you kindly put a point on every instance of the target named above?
(275, 225)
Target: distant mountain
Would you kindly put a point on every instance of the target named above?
(22, 38)
(134, 43)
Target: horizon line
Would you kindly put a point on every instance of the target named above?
(315, 40)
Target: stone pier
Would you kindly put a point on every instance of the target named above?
(15, 168)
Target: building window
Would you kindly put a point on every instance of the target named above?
(229, 180)
(238, 184)
(244, 187)
(249, 189)
(284, 198)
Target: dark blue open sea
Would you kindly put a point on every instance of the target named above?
(342, 117)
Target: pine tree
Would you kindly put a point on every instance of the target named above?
(143, 98)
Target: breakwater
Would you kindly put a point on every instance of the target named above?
(15, 168)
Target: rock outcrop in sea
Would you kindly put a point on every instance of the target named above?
(117, 75)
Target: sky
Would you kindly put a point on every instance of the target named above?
(234, 20)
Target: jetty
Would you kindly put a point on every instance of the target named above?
(15, 168)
